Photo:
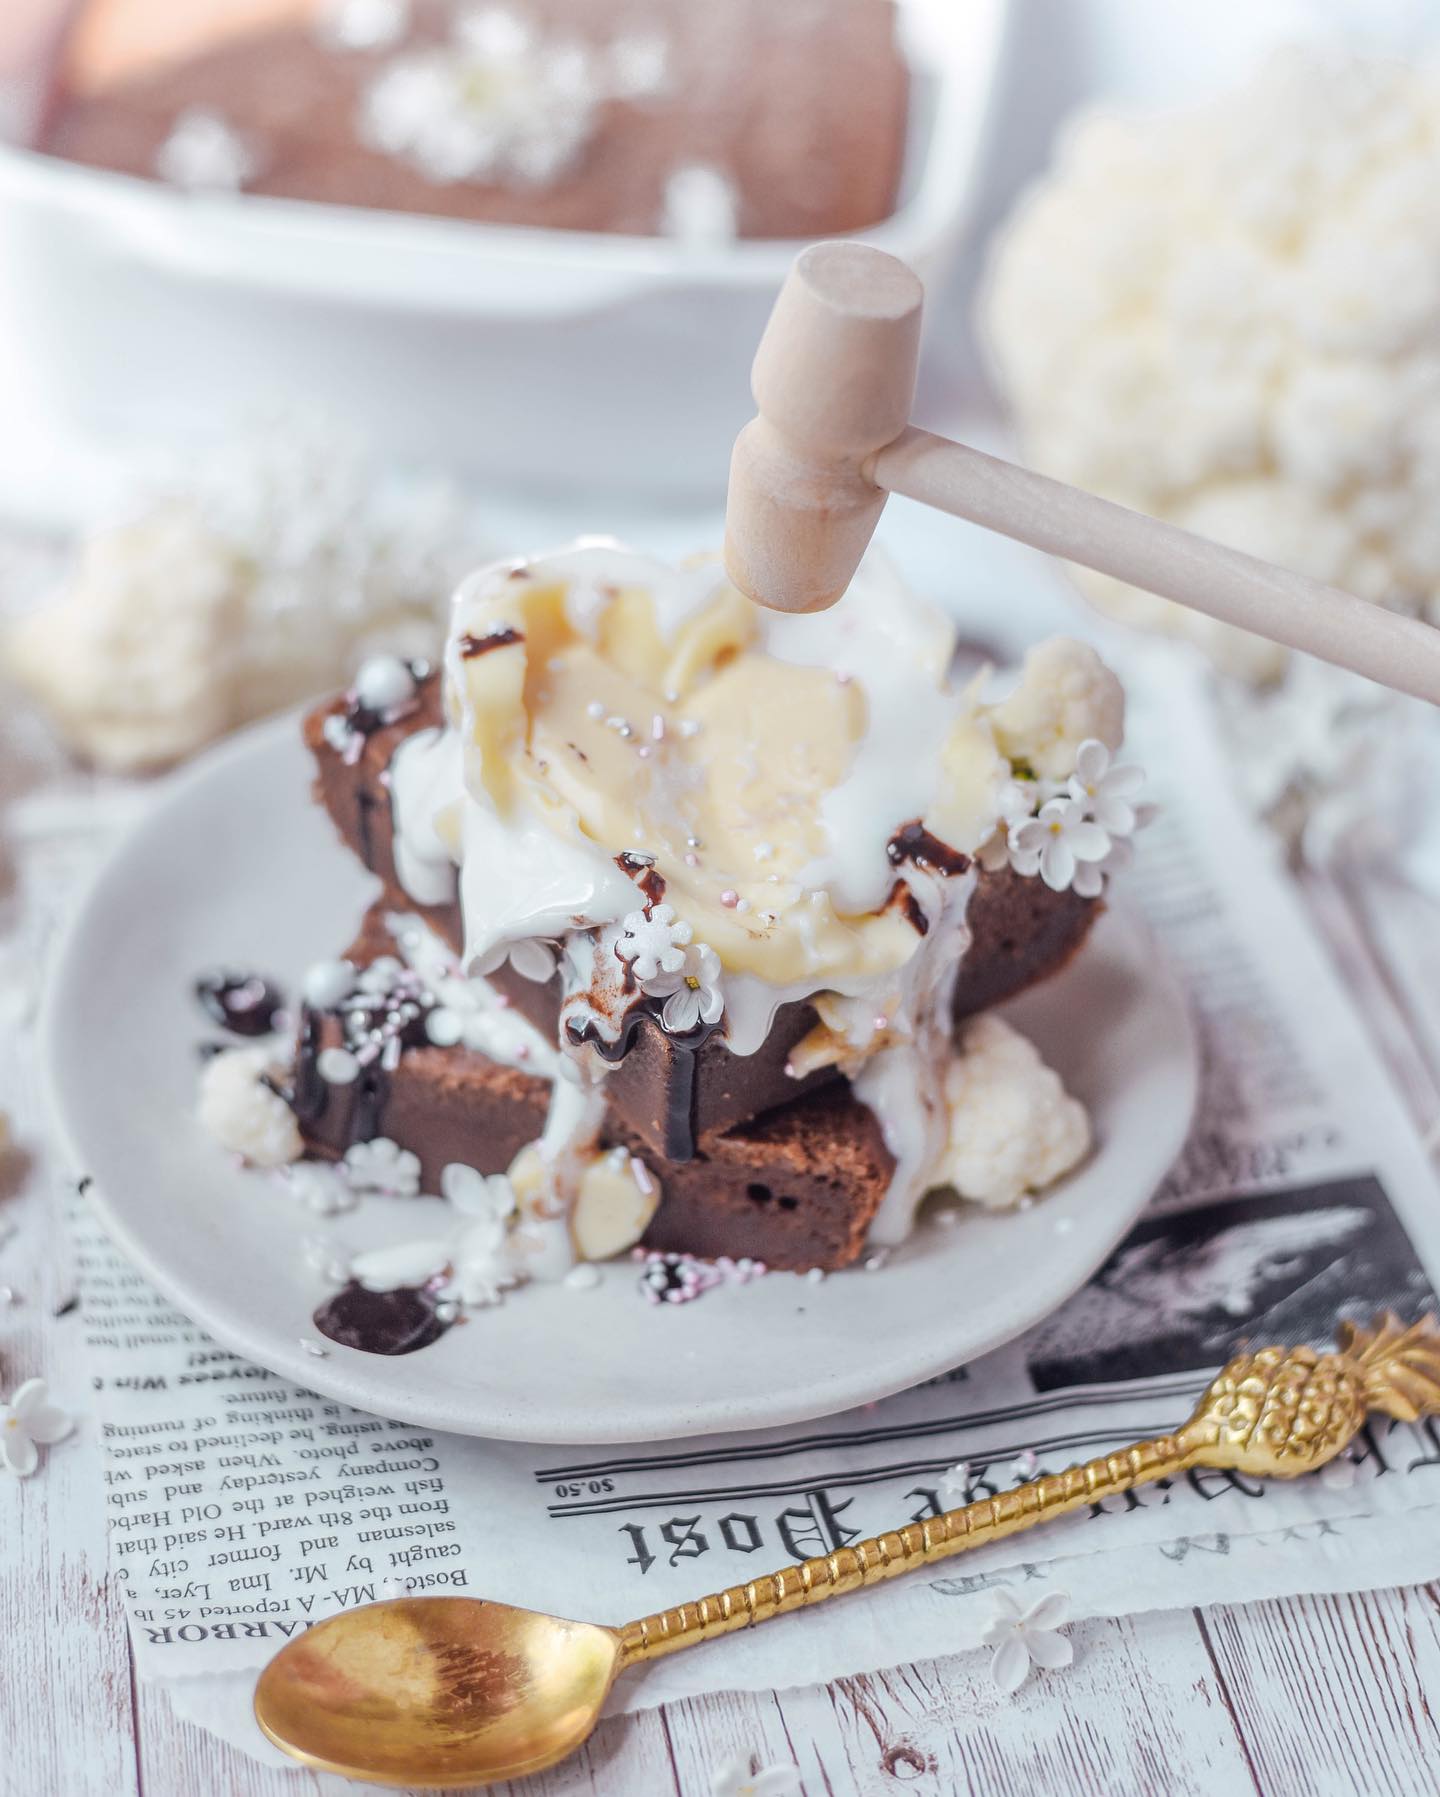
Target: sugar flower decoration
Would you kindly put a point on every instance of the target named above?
(28, 1423)
(321, 1188)
(1090, 876)
(487, 1197)
(692, 994)
(735, 1779)
(1057, 843)
(383, 1166)
(1026, 1638)
(954, 1488)
(1105, 792)
(203, 153)
(653, 943)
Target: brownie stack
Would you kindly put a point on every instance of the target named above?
(751, 1161)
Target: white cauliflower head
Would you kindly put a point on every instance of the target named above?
(243, 1113)
(259, 575)
(1013, 1127)
(1230, 318)
(1065, 695)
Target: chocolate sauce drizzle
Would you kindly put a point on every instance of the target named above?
(643, 871)
(498, 638)
(913, 842)
(679, 1131)
(901, 895)
(246, 1004)
(394, 1322)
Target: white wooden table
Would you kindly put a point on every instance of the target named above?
(1321, 1697)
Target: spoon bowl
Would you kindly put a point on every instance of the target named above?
(438, 1691)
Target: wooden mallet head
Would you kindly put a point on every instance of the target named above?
(834, 379)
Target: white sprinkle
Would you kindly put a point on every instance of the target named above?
(327, 983)
(816, 1275)
(742, 904)
(583, 1278)
(689, 726)
(843, 679)
(313, 1348)
(877, 1260)
(595, 709)
(337, 1066)
(692, 860)
(446, 1310)
(9, 1296)
(693, 842)
(383, 682)
(657, 728)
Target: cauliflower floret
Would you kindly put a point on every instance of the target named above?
(243, 1113)
(1066, 694)
(1226, 318)
(261, 573)
(1013, 1127)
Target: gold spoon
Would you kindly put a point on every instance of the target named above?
(449, 1691)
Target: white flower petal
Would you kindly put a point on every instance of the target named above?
(1123, 782)
(1092, 760)
(1030, 838)
(1087, 842)
(1050, 1611)
(19, 1452)
(682, 1010)
(1010, 1665)
(1089, 881)
(1049, 1650)
(1115, 816)
(1057, 863)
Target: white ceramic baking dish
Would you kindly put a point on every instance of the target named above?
(528, 358)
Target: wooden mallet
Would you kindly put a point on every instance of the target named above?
(834, 379)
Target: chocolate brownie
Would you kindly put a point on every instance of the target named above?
(795, 1188)
(800, 108)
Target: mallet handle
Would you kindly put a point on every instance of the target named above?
(1239, 589)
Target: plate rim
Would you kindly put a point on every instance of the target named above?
(352, 1382)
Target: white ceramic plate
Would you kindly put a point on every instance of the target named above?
(234, 865)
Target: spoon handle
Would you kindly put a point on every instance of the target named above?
(1275, 1412)
(898, 1551)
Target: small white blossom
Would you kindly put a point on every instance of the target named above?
(203, 153)
(28, 1423)
(1105, 792)
(1056, 843)
(735, 1779)
(1022, 1638)
(653, 943)
(692, 995)
(954, 1487)
(484, 1196)
(383, 1166)
(484, 1268)
(320, 1188)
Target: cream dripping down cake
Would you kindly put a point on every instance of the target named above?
(690, 921)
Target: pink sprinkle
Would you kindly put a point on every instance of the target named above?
(644, 751)
(692, 860)
(882, 1022)
(729, 898)
(657, 728)
(502, 1001)
(522, 1051)
(843, 679)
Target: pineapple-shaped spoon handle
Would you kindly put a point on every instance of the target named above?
(1274, 1413)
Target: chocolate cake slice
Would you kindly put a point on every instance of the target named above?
(667, 1093)
(795, 1188)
